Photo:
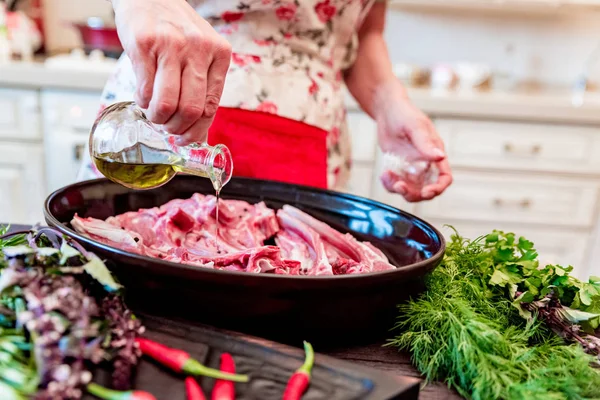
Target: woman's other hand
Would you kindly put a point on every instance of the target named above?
(406, 131)
(180, 63)
(403, 129)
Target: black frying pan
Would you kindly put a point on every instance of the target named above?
(326, 310)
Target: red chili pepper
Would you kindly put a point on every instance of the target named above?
(109, 394)
(300, 380)
(193, 390)
(180, 361)
(225, 390)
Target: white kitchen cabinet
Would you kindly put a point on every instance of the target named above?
(563, 247)
(538, 180)
(361, 180)
(528, 199)
(363, 136)
(19, 114)
(68, 117)
(363, 133)
(521, 146)
(21, 182)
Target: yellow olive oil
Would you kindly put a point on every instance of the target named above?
(141, 167)
(134, 175)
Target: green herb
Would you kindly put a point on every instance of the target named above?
(67, 252)
(481, 327)
(17, 375)
(98, 270)
(11, 241)
(54, 317)
(7, 392)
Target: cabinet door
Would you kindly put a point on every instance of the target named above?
(554, 245)
(521, 146)
(361, 180)
(363, 132)
(19, 114)
(21, 183)
(516, 198)
(68, 117)
(71, 110)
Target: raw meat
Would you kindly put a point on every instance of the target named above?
(185, 231)
(343, 253)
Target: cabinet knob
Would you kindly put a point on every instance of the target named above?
(78, 152)
(531, 150)
(523, 203)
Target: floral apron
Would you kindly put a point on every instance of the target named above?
(288, 60)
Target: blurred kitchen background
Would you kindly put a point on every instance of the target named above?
(510, 84)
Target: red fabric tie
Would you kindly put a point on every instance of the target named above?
(271, 147)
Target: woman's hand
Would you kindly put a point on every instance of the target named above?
(406, 131)
(180, 63)
(403, 129)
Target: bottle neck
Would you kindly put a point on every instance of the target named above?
(201, 159)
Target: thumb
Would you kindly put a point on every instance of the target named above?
(426, 146)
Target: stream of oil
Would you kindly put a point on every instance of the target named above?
(217, 192)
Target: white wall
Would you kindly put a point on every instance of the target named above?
(551, 48)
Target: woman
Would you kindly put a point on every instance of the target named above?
(265, 78)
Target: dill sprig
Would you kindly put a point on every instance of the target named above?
(466, 331)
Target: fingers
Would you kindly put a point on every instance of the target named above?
(424, 138)
(388, 179)
(144, 68)
(165, 95)
(394, 183)
(410, 193)
(217, 72)
(187, 106)
(443, 182)
(191, 100)
(216, 78)
(180, 64)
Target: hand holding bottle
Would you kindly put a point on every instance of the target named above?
(180, 63)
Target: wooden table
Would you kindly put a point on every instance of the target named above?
(390, 360)
(376, 356)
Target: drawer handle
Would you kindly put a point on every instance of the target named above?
(524, 203)
(512, 149)
(78, 151)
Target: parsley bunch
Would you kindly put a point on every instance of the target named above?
(488, 323)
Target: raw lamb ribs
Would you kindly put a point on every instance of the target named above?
(185, 231)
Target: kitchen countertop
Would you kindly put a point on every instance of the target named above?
(539, 105)
(536, 105)
(36, 75)
(545, 105)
